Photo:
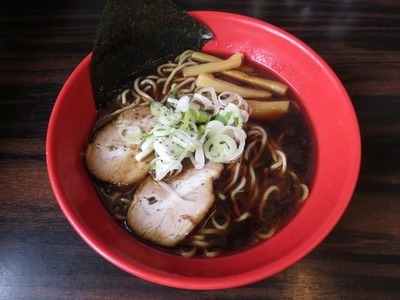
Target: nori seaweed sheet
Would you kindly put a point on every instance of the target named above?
(134, 35)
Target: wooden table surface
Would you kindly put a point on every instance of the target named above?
(42, 257)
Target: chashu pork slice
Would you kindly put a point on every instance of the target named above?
(111, 159)
(165, 212)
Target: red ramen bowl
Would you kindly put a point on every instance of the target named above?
(337, 163)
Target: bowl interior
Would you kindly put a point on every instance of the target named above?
(337, 164)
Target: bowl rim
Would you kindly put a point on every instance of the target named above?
(226, 281)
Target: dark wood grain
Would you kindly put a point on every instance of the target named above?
(41, 257)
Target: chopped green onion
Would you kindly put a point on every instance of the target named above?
(156, 108)
(224, 118)
(174, 93)
(203, 117)
(130, 134)
(186, 120)
(199, 127)
(220, 148)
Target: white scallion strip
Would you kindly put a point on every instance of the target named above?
(147, 148)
